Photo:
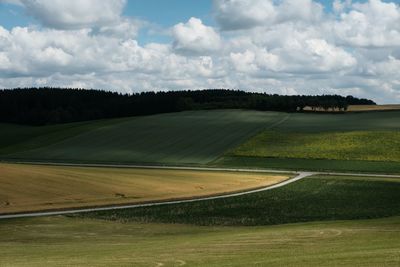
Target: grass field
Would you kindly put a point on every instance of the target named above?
(16, 138)
(316, 198)
(358, 145)
(33, 188)
(366, 142)
(59, 241)
(179, 138)
(362, 142)
(316, 123)
(300, 224)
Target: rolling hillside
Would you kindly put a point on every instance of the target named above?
(137, 237)
(194, 137)
(217, 137)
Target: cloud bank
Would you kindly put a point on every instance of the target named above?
(286, 46)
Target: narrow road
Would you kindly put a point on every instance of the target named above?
(300, 175)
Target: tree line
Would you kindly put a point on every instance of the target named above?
(41, 106)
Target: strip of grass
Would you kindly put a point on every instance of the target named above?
(309, 164)
(59, 241)
(27, 188)
(359, 145)
(311, 199)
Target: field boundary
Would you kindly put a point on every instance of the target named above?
(199, 168)
(144, 166)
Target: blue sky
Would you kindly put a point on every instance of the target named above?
(166, 14)
(162, 13)
(12, 15)
(169, 12)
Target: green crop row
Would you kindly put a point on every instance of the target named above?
(312, 199)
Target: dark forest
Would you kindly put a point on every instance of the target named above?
(41, 106)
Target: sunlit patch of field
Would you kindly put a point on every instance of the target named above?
(33, 187)
(354, 145)
(60, 241)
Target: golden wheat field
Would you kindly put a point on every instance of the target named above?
(33, 187)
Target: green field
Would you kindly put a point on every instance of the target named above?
(316, 198)
(316, 123)
(58, 241)
(301, 224)
(366, 142)
(180, 138)
(359, 142)
(357, 145)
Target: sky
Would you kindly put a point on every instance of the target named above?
(274, 46)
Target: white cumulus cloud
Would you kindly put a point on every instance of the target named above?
(74, 14)
(246, 14)
(243, 14)
(371, 24)
(274, 46)
(195, 37)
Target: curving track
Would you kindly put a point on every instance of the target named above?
(300, 175)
